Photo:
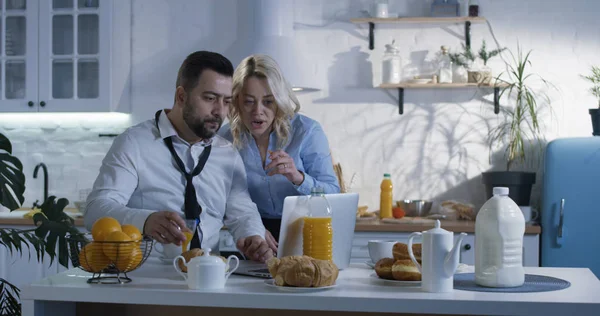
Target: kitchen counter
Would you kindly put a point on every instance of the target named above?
(16, 217)
(376, 225)
(156, 289)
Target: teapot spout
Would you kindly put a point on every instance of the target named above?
(451, 260)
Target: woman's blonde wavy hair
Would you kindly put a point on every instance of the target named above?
(263, 67)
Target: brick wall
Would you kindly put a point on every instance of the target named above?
(436, 150)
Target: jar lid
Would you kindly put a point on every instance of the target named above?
(207, 259)
(392, 48)
(437, 230)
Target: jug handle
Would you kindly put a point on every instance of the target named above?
(231, 270)
(410, 251)
(177, 266)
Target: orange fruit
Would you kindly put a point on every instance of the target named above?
(398, 212)
(103, 227)
(126, 264)
(117, 244)
(132, 232)
(92, 258)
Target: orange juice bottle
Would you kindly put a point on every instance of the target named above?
(317, 232)
(385, 199)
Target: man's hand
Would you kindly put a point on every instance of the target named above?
(255, 247)
(166, 227)
(271, 242)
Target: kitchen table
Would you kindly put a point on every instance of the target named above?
(157, 289)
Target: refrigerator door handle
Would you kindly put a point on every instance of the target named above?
(561, 228)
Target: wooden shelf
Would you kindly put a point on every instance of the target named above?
(467, 20)
(402, 86)
(437, 85)
(433, 20)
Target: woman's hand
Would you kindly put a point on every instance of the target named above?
(282, 163)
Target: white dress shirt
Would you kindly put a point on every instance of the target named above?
(139, 176)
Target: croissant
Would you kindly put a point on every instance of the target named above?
(302, 271)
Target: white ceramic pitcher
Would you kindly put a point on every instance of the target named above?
(439, 258)
(207, 272)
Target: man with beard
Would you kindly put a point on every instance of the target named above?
(174, 166)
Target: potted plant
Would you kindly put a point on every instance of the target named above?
(520, 129)
(52, 225)
(460, 63)
(594, 78)
(467, 59)
(484, 74)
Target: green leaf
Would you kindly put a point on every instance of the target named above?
(12, 179)
(51, 246)
(9, 299)
(63, 251)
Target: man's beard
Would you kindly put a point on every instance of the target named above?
(197, 125)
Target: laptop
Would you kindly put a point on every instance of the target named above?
(343, 210)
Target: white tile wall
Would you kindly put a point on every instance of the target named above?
(436, 150)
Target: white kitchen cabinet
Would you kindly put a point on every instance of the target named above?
(21, 269)
(360, 252)
(65, 55)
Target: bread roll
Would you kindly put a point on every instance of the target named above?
(405, 270)
(400, 251)
(302, 271)
(383, 268)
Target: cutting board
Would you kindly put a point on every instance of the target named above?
(408, 220)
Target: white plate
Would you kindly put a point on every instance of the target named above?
(370, 264)
(165, 260)
(396, 282)
(368, 218)
(420, 81)
(270, 283)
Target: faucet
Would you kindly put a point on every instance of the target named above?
(35, 172)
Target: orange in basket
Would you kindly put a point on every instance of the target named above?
(132, 232)
(130, 262)
(104, 227)
(118, 245)
(92, 258)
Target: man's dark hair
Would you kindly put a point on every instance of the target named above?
(195, 63)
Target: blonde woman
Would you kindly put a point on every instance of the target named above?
(285, 153)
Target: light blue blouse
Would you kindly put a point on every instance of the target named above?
(309, 148)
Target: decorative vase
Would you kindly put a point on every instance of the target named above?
(518, 183)
(480, 76)
(459, 74)
(595, 115)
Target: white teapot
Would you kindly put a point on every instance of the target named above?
(207, 272)
(439, 258)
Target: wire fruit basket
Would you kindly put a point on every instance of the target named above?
(109, 261)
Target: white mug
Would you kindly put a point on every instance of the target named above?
(529, 214)
(381, 10)
(379, 249)
(168, 251)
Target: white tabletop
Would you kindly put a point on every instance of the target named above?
(158, 284)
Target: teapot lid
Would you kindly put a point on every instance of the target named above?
(207, 259)
(437, 230)
(392, 48)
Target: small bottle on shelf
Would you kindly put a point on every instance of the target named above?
(445, 67)
(392, 64)
(473, 8)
